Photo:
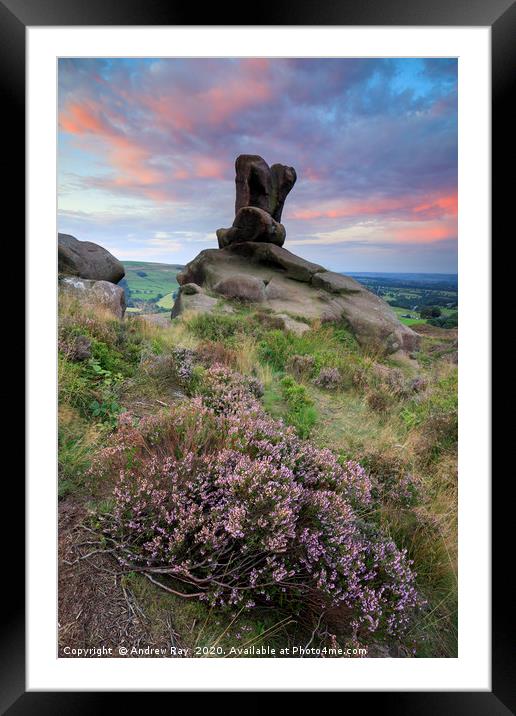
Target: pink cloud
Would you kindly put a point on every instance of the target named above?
(185, 109)
(429, 234)
(436, 206)
(207, 168)
(82, 119)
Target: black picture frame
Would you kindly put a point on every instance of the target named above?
(500, 15)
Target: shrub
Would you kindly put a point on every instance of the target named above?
(390, 379)
(224, 390)
(393, 482)
(233, 509)
(184, 361)
(320, 347)
(329, 378)
(450, 321)
(378, 400)
(300, 366)
(211, 352)
(430, 312)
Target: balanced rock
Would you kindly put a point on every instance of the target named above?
(260, 197)
(87, 260)
(103, 293)
(252, 265)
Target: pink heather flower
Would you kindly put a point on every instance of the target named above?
(237, 509)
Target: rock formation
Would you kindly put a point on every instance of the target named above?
(103, 293)
(260, 195)
(251, 265)
(87, 260)
(90, 273)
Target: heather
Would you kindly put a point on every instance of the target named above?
(256, 516)
(221, 444)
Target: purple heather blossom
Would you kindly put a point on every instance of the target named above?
(236, 508)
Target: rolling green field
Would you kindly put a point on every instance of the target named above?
(401, 312)
(149, 285)
(408, 294)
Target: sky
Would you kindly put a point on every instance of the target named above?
(146, 152)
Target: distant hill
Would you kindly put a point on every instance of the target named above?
(431, 281)
(149, 286)
(409, 293)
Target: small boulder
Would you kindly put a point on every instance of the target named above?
(274, 290)
(290, 324)
(191, 288)
(196, 302)
(87, 260)
(103, 293)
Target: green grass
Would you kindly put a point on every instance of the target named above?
(301, 411)
(167, 301)
(418, 430)
(219, 327)
(400, 312)
(159, 279)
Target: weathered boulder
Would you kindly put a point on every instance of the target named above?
(296, 287)
(196, 301)
(252, 224)
(87, 260)
(103, 293)
(241, 286)
(292, 325)
(252, 265)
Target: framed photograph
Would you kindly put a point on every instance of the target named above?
(259, 345)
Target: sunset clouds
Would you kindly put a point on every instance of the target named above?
(147, 150)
